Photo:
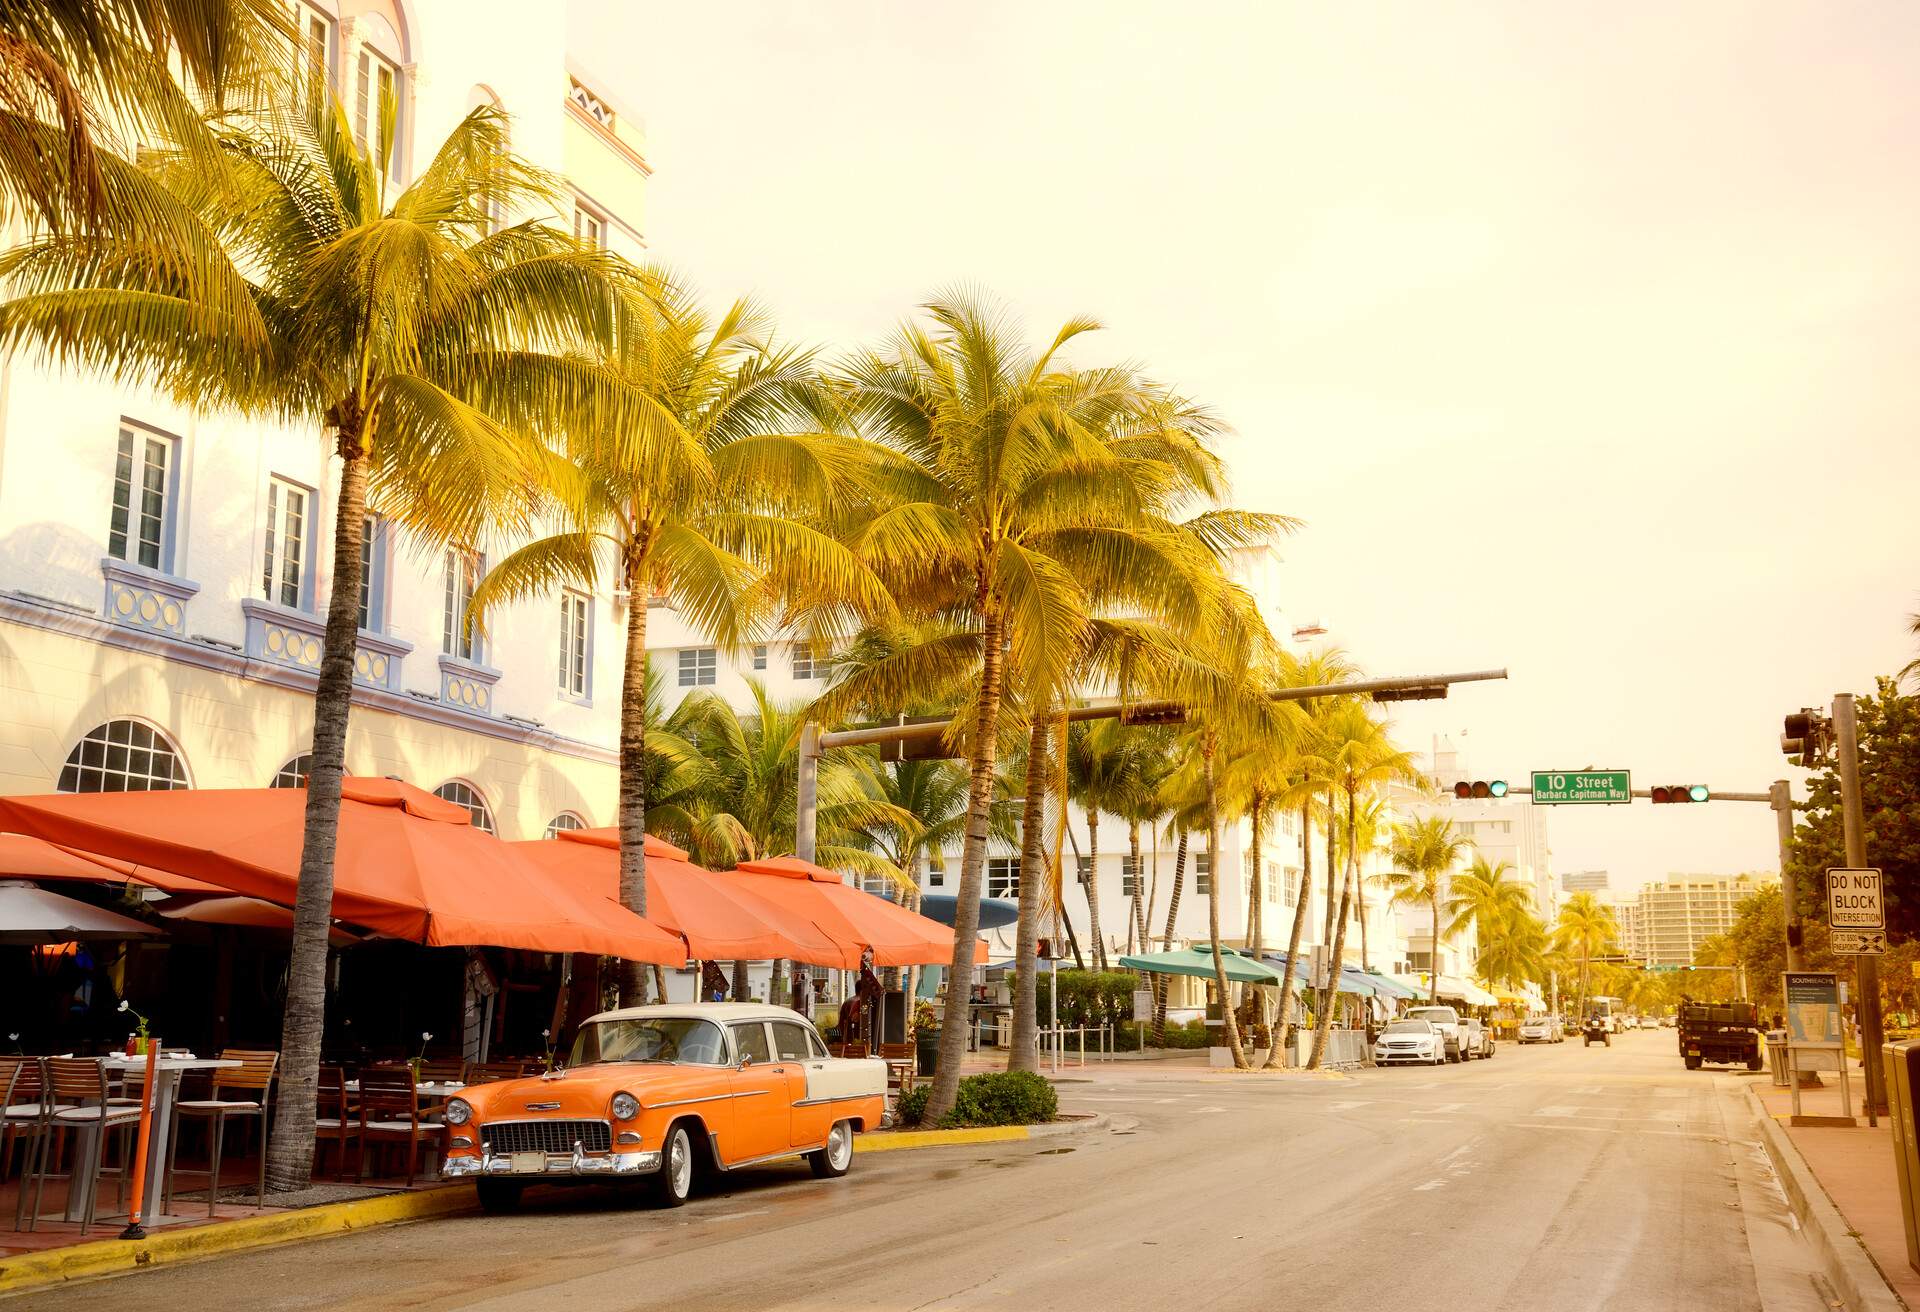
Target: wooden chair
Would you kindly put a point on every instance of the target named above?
(335, 1123)
(851, 1050)
(443, 1070)
(254, 1075)
(80, 1084)
(900, 1059)
(390, 1113)
(486, 1072)
(25, 1114)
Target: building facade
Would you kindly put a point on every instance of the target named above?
(1672, 917)
(164, 570)
(1584, 881)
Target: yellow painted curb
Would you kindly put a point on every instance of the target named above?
(891, 1141)
(78, 1261)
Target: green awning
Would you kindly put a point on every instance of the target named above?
(1241, 968)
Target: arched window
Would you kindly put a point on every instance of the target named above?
(465, 794)
(565, 820)
(294, 773)
(122, 756)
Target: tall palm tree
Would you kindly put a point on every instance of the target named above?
(287, 283)
(1358, 836)
(1102, 775)
(1513, 948)
(1486, 895)
(1007, 510)
(1183, 799)
(1423, 853)
(698, 492)
(1586, 928)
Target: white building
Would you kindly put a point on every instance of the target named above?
(163, 571)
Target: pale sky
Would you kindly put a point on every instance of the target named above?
(1582, 336)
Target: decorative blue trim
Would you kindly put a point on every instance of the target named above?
(294, 638)
(224, 658)
(142, 598)
(467, 684)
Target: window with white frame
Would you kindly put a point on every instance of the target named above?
(699, 667)
(283, 572)
(376, 108)
(1290, 886)
(760, 657)
(1082, 868)
(314, 45)
(809, 662)
(141, 529)
(294, 773)
(576, 642)
(936, 876)
(1003, 877)
(461, 793)
(1202, 872)
(122, 756)
(457, 637)
(1130, 885)
(564, 821)
(590, 226)
(373, 574)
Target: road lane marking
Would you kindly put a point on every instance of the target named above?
(1441, 1107)
(1346, 1106)
(1431, 1184)
(1202, 1111)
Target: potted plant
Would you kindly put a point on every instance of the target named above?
(138, 1040)
(926, 1036)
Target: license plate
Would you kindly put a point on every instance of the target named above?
(1693, 1052)
(528, 1163)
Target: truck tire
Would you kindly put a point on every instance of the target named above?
(1693, 1063)
(1755, 1062)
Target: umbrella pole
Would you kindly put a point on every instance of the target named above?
(134, 1229)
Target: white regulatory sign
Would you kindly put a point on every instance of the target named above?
(1858, 942)
(1853, 900)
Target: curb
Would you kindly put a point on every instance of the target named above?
(164, 1247)
(902, 1140)
(1849, 1267)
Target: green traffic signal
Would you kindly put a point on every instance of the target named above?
(1498, 788)
(1698, 792)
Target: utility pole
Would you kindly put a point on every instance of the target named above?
(1782, 795)
(1866, 968)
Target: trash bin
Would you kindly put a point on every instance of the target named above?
(1777, 1059)
(1902, 1065)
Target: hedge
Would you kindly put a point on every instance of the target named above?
(996, 1098)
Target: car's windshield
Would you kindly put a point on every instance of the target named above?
(1438, 1015)
(650, 1038)
(1407, 1027)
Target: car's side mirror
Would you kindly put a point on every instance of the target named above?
(745, 1061)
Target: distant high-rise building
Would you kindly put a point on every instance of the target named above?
(1584, 881)
(1672, 917)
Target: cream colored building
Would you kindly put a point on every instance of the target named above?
(1672, 917)
(162, 570)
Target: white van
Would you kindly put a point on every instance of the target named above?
(1444, 1019)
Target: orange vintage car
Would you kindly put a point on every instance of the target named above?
(654, 1093)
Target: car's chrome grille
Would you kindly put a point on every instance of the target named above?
(556, 1137)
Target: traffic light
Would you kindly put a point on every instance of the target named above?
(1480, 788)
(1806, 737)
(1681, 793)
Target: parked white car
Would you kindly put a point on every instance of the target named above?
(1542, 1029)
(1410, 1041)
(1447, 1021)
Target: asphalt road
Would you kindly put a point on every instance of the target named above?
(1552, 1177)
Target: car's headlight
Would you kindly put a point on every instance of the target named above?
(625, 1106)
(459, 1111)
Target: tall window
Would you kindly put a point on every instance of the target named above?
(1003, 876)
(1290, 878)
(1130, 878)
(122, 756)
(760, 657)
(464, 794)
(576, 620)
(313, 45)
(463, 575)
(373, 574)
(283, 575)
(376, 96)
(1203, 872)
(565, 820)
(294, 773)
(808, 661)
(699, 666)
(141, 527)
(1083, 868)
(590, 227)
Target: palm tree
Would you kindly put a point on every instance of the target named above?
(1423, 853)
(1151, 748)
(1101, 775)
(1586, 927)
(1007, 510)
(1183, 799)
(697, 494)
(1358, 837)
(1513, 948)
(286, 283)
(1489, 899)
(74, 71)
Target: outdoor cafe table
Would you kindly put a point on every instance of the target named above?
(166, 1091)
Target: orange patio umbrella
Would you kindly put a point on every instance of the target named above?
(407, 864)
(851, 917)
(718, 919)
(25, 857)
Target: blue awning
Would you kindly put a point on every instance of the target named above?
(994, 912)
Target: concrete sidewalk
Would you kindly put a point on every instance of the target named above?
(1855, 1169)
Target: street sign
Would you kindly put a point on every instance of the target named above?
(1853, 900)
(1581, 787)
(1859, 942)
(1813, 1009)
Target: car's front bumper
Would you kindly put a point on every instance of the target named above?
(578, 1165)
(1401, 1054)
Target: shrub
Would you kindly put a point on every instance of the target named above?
(1003, 1098)
(911, 1107)
(1088, 997)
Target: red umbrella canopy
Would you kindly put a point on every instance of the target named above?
(406, 863)
(718, 919)
(856, 919)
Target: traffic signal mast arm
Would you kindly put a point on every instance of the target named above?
(1527, 790)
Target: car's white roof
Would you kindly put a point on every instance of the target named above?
(714, 1011)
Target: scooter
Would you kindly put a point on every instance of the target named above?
(1596, 1028)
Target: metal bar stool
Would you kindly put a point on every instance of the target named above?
(254, 1074)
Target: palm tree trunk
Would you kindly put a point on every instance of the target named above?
(1323, 997)
(1256, 943)
(1433, 962)
(1139, 882)
(1173, 912)
(1025, 1053)
(1213, 905)
(917, 869)
(633, 774)
(1277, 1057)
(738, 993)
(1324, 1023)
(1099, 944)
(303, 1021)
(973, 863)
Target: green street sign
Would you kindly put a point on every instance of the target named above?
(1581, 787)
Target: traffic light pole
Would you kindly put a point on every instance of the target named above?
(1866, 968)
(1782, 799)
